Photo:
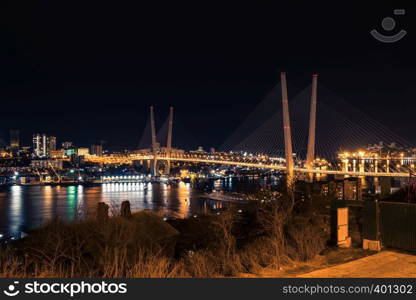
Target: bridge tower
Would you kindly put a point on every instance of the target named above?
(169, 140)
(287, 132)
(310, 156)
(154, 142)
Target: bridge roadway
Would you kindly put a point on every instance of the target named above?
(129, 159)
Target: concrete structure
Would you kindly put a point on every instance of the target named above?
(96, 150)
(154, 170)
(40, 145)
(51, 143)
(386, 264)
(352, 190)
(385, 186)
(67, 145)
(287, 132)
(43, 144)
(347, 189)
(169, 140)
(343, 239)
(156, 149)
(57, 153)
(371, 245)
(46, 163)
(83, 151)
(310, 156)
(14, 140)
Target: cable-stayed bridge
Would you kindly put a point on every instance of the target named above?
(314, 133)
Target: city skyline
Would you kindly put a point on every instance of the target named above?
(200, 140)
(56, 80)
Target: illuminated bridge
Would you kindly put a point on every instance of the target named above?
(242, 162)
(346, 163)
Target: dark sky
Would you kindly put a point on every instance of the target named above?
(87, 71)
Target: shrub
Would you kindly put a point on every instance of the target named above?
(273, 231)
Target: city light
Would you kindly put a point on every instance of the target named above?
(167, 141)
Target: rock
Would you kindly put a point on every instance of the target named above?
(102, 212)
(152, 230)
(125, 211)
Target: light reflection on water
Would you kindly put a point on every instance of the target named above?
(26, 207)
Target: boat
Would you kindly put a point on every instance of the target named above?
(227, 197)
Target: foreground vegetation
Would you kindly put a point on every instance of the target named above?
(273, 231)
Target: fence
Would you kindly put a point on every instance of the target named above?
(393, 223)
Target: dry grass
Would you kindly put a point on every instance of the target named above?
(144, 245)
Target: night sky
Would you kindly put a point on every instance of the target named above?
(87, 71)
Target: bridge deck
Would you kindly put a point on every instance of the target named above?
(250, 165)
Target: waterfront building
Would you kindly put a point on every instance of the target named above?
(96, 150)
(57, 153)
(14, 140)
(69, 152)
(46, 163)
(83, 151)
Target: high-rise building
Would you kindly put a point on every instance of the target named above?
(51, 143)
(67, 145)
(96, 150)
(43, 144)
(14, 139)
(37, 145)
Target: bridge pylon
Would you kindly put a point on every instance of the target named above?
(310, 156)
(169, 141)
(287, 134)
(154, 170)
